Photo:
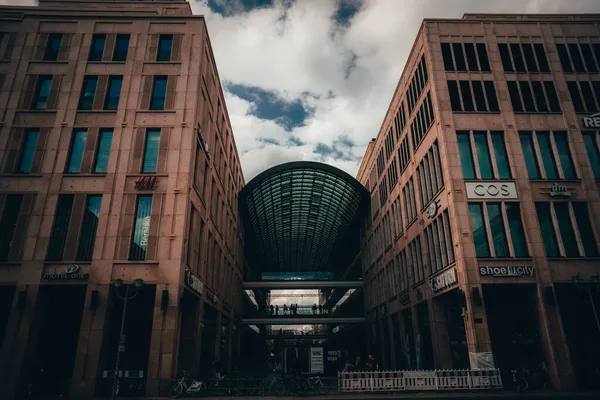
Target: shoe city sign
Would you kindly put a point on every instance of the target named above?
(72, 272)
(506, 271)
(491, 190)
(443, 280)
(591, 122)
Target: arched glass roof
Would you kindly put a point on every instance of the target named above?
(297, 215)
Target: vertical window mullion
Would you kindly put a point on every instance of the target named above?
(557, 232)
(507, 231)
(474, 155)
(492, 153)
(539, 159)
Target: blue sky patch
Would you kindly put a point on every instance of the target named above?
(339, 150)
(346, 10)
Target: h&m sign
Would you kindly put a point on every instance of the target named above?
(591, 122)
(443, 280)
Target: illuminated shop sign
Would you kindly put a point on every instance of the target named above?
(559, 190)
(507, 271)
(443, 280)
(72, 272)
(592, 121)
(491, 190)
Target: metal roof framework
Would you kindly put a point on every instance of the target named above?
(296, 216)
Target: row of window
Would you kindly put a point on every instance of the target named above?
(477, 161)
(585, 96)
(404, 154)
(579, 57)
(410, 204)
(400, 120)
(383, 192)
(533, 96)
(438, 236)
(483, 93)
(547, 155)
(465, 57)
(592, 145)
(430, 175)
(422, 122)
(417, 84)
(524, 57)
(392, 174)
(504, 228)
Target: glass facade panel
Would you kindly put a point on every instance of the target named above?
(103, 152)
(60, 228)
(543, 139)
(564, 155)
(533, 170)
(482, 248)
(86, 101)
(483, 155)
(53, 47)
(40, 102)
(159, 92)
(165, 44)
(121, 48)
(565, 227)
(483, 57)
(582, 217)
(97, 48)
(466, 157)
(89, 227)
(151, 150)
(497, 230)
(77, 148)
(515, 226)
(28, 150)
(500, 154)
(141, 229)
(114, 92)
(8, 223)
(548, 234)
(593, 152)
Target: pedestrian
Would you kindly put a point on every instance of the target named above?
(272, 308)
(320, 309)
(276, 309)
(285, 309)
(357, 364)
(314, 309)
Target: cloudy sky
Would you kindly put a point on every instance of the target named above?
(312, 79)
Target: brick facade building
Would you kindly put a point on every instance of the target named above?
(482, 244)
(117, 162)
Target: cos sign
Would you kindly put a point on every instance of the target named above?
(491, 190)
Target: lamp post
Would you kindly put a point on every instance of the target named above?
(117, 284)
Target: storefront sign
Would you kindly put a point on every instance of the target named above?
(405, 299)
(592, 121)
(491, 190)
(559, 190)
(508, 271)
(316, 360)
(146, 183)
(193, 282)
(72, 272)
(443, 280)
(334, 355)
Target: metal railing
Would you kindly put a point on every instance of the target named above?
(432, 380)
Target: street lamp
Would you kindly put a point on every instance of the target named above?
(117, 284)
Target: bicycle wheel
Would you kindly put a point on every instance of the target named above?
(176, 390)
(279, 388)
(321, 388)
(522, 385)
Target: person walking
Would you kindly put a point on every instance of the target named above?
(314, 309)
(285, 309)
(272, 309)
(276, 309)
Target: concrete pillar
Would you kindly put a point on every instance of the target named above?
(89, 345)
(442, 355)
(218, 321)
(17, 336)
(476, 325)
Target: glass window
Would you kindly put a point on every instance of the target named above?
(515, 50)
(479, 96)
(151, 150)
(552, 97)
(497, 230)
(564, 155)
(565, 62)
(60, 228)
(88, 228)
(515, 99)
(541, 57)
(28, 150)
(52, 47)
(576, 58)
(465, 90)
(529, 57)
(165, 44)
(490, 91)
(141, 228)
(540, 99)
(466, 157)
(527, 96)
(114, 92)
(97, 48)
(447, 56)
(471, 57)
(501, 156)
(8, 223)
(159, 92)
(103, 152)
(548, 160)
(548, 234)
(482, 248)
(516, 230)
(459, 57)
(588, 97)
(40, 101)
(77, 148)
(590, 245)
(86, 101)
(533, 170)
(565, 227)
(575, 97)
(454, 96)
(1, 38)
(121, 48)
(593, 152)
(483, 57)
(505, 57)
(586, 50)
(483, 155)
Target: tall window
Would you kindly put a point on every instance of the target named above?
(103, 152)
(42, 91)
(8, 223)
(524, 57)
(489, 151)
(151, 150)
(552, 154)
(475, 54)
(430, 175)
(417, 84)
(88, 90)
(52, 47)
(403, 271)
(121, 48)
(570, 222)
(28, 150)
(590, 138)
(141, 228)
(60, 228)
(439, 243)
(97, 48)
(579, 57)
(114, 92)
(403, 154)
(88, 228)
(585, 95)
(422, 122)
(159, 93)
(76, 151)
(410, 205)
(504, 227)
(473, 96)
(534, 96)
(416, 259)
(165, 44)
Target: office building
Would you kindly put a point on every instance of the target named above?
(482, 245)
(118, 166)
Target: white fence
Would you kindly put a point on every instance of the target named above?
(441, 379)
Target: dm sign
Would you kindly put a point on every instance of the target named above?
(72, 272)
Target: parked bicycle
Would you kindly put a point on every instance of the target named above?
(291, 384)
(186, 385)
(519, 382)
(317, 386)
